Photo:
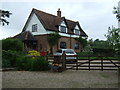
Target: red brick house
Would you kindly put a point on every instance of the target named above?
(40, 24)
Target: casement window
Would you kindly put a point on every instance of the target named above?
(63, 45)
(77, 31)
(63, 29)
(34, 28)
(77, 45)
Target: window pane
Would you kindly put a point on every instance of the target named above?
(63, 29)
(63, 45)
(34, 28)
(77, 32)
(77, 45)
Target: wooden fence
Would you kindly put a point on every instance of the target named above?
(84, 62)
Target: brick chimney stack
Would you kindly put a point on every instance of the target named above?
(59, 12)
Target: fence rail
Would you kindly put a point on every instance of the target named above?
(85, 62)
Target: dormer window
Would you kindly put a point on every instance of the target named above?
(34, 28)
(63, 27)
(77, 31)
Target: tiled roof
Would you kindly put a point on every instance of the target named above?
(51, 22)
(26, 35)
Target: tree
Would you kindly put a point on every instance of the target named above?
(4, 14)
(99, 44)
(117, 12)
(113, 37)
(53, 40)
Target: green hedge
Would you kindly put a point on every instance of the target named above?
(32, 64)
(9, 58)
(12, 44)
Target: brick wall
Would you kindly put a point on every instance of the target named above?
(43, 45)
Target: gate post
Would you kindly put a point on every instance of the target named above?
(77, 63)
(64, 61)
(89, 62)
(101, 63)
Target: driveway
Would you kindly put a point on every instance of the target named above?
(66, 79)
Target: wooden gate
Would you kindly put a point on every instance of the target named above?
(85, 62)
(94, 63)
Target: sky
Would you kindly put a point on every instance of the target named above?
(94, 16)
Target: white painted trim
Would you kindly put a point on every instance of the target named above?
(77, 27)
(64, 34)
(63, 24)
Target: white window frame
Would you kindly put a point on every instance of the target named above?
(76, 29)
(63, 25)
(34, 28)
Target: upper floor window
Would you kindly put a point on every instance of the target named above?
(63, 29)
(34, 28)
(77, 31)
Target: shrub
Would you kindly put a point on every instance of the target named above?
(12, 44)
(9, 58)
(32, 64)
(6, 63)
(24, 63)
(33, 53)
(40, 64)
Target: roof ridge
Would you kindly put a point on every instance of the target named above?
(45, 12)
(72, 20)
(53, 15)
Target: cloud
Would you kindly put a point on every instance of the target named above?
(94, 15)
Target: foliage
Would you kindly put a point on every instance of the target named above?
(113, 37)
(117, 12)
(4, 14)
(101, 44)
(33, 53)
(82, 40)
(32, 64)
(9, 58)
(12, 44)
(24, 63)
(40, 64)
(85, 54)
(53, 40)
(96, 44)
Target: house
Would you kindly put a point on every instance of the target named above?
(40, 24)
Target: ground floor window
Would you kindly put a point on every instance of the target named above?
(63, 45)
(76, 45)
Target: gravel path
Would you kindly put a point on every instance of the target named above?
(67, 79)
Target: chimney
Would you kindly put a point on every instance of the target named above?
(59, 12)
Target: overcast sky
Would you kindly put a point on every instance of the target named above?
(94, 16)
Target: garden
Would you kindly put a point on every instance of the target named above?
(13, 56)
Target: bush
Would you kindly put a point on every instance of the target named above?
(33, 53)
(12, 44)
(24, 63)
(6, 63)
(32, 64)
(40, 64)
(9, 58)
(85, 53)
